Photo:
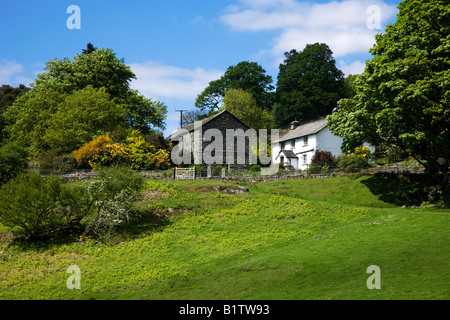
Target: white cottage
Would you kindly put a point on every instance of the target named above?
(298, 145)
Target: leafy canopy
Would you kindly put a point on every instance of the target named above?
(242, 104)
(308, 86)
(403, 96)
(74, 101)
(248, 76)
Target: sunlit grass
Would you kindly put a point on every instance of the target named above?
(300, 239)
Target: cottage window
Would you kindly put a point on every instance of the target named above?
(305, 159)
(305, 141)
(293, 144)
(282, 145)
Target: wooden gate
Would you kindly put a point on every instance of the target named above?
(184, 173)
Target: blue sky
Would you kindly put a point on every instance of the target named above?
(175, 47)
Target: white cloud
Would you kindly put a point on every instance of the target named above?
(14, 73)
(9, 71)
(159, 81)
(342, 25)
(355, 67)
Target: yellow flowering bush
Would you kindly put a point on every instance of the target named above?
(101, 151)
(362, 152)
(359, 158)
(135, 152)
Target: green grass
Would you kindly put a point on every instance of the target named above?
(296, 239)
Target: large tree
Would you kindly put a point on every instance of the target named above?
(403, 96)
(248, 76)
(73, 101)
(100, 68)
(309, 84)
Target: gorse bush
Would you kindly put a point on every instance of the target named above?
(135, 152)
(101, 151)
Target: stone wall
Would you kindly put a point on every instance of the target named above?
(86, 175)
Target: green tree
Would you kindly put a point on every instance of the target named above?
(100, 68)
(13, 161)
(80, 117)
(50, 120)
(248, 76)
(73, 101)
(8, 95)
(403, 96)
(309, 85)
(242, 104)
(27, 119)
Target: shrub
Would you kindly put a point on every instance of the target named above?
(101, 151)
(162, 159)
(323, 159)
(217, 170)
(51, 162)
(359, 158)
(90, 149)
(255, 167)
(33, 206)
(145, 156)
(348, 162)
(114, 192)
(13, 161)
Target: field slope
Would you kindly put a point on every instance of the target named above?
(296, 239)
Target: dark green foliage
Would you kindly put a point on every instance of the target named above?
(34, 207)
(74, 101)
(89, 48)
(9, 94)
(13, 161)
(309, 85)
(248, 76)
(349, 162)
(52, 162)
(323, 158)
(402, 98)
(217, 170)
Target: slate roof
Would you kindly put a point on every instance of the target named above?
(190, 126)
(289, 153)
(303, 130)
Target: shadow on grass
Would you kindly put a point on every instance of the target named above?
(147, 223)
(399, 190)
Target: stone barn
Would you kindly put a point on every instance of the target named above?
(219, 140)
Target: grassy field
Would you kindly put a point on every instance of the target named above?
(297, 239)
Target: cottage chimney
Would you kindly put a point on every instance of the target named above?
(294, 124)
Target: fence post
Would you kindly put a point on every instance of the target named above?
(209, 172)
(223, 173)
(174, 173)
